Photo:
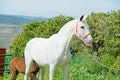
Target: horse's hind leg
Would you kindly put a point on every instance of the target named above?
(13, 77)
(13, 71)
(28, 62)
(42, 72)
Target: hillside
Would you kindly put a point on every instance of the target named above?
(18, 19)
(11, 26)
(7, 34)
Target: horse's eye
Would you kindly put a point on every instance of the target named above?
(82, 27)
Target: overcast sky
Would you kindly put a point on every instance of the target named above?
(50, 8)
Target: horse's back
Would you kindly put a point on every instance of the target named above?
(35, 41)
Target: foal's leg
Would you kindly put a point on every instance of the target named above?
(13, 71)
(42, 73)
(14, 76)
(28, 62)
(33, 76)
(51, 71)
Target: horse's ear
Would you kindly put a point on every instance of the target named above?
(83, 17)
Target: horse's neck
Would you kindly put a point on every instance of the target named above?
(66, 33)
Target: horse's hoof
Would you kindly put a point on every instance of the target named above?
(34, 78)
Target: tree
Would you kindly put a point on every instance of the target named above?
(105, 29)
(37, 29)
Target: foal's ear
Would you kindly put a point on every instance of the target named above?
(83, 17)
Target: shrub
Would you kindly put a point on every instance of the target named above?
(104, 28)
(37, 29)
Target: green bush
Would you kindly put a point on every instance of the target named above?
(37, 29)
(104, 27)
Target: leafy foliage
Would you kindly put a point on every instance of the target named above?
(37, 29)
(105, 29)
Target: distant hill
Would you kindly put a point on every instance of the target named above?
(18, 19)
(11, 26)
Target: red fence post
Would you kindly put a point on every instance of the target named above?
(2, 60)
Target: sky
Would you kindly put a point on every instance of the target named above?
(51, 8)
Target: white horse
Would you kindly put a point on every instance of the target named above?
(55, 51)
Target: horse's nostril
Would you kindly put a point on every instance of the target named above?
(90, 43)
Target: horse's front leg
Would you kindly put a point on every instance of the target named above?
(65, 71)
(42, 72)
(51, 71)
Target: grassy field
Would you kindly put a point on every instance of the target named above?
(76, 72)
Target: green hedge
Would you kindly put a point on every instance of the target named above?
(37, 29)
(105, 29)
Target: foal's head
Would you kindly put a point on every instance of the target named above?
(82, 31)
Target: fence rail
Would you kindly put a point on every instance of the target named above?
(4, 67)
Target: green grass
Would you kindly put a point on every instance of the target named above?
(84, 69)
(76, 72)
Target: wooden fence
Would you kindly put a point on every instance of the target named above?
(4, 61)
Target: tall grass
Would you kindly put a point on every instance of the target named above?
(76, 72)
